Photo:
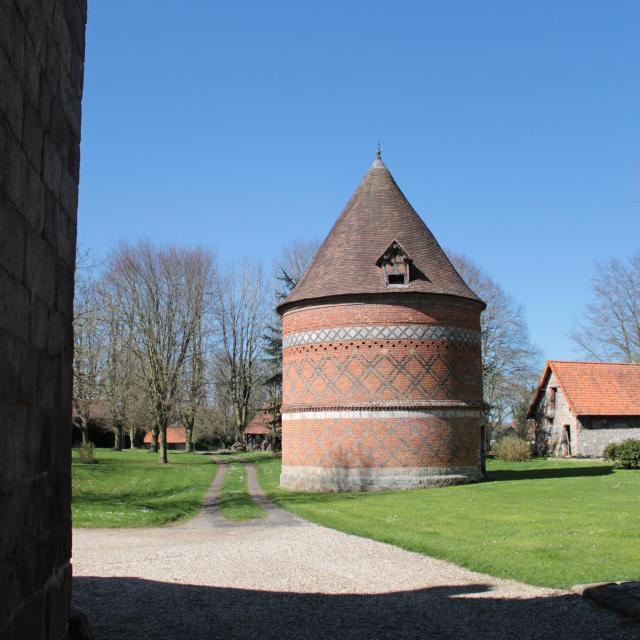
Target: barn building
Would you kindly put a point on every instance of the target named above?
(259, 432)
(382, 371)
(176, 437)
(580, 407)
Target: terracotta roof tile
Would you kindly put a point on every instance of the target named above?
(377, 214)
(176, 434)
(260, 425)
(597, 388)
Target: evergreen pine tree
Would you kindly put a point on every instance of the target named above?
(273, 357)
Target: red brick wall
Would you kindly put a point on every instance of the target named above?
(385, 309)
(394, 442)
(383, 374)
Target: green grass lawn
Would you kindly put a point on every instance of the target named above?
(130, 488)
(235, 501)
(543, 522)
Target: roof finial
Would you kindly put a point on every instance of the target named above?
(377, 163)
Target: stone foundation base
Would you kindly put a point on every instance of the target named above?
(298, 478)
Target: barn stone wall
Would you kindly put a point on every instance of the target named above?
(381, 392)
(598, 431)
(551, 422)
(41, 80)
(589, 434)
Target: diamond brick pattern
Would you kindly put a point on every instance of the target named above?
(380, 375)
(383, 332)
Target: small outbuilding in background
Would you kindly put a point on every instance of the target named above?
(176, 437)
(581, 407)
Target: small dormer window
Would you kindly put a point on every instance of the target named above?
(395, 263)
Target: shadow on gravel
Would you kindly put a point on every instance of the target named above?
(540, 474)
(135, 609)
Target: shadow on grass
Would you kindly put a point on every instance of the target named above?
(167, 496)
(540, 474)
(242, 457)
(133, 608)
(171, 509)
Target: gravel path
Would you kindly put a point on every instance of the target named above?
(281, 577)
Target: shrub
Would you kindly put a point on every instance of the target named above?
(627, 454)
(511, 449)
(86, 453)
(609, 452)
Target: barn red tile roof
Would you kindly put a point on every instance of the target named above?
(260, 425)
(377, 214)
(596, 388)
(176, 434)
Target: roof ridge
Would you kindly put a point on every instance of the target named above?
(631, 364)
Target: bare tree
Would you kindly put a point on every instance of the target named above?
(88, 355)
(120, 366)
(239, 314)
(218, 418)
(138, 416)
(610, 329)
(194, 376)
(508, 357)
(293, 262)
(154, 288)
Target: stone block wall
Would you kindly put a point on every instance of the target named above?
(598, 431)
(41, 81)
(550, 422)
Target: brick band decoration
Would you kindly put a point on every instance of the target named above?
(382, 370)
(383, 332)
(380, 414)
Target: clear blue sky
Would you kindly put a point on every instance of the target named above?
(512, 127)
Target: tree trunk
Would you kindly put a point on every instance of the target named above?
(188, 425)
(84, 430)
(117, 443)
(154, 440)
(163, 445)
(132, 434)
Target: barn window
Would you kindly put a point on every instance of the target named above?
(551, 402)
(395, 263)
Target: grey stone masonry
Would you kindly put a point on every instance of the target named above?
(552, 417)
(41, 81)
(329, 479)
(598, 431)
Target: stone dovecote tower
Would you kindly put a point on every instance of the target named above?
(382, 371)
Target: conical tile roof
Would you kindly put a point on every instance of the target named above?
(377, 214)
